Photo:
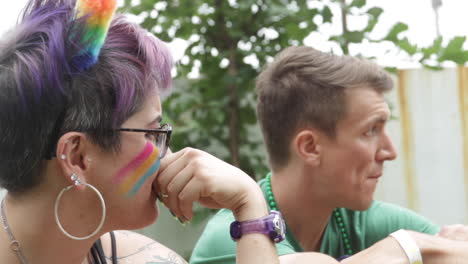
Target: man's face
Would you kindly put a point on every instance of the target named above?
(352, 162)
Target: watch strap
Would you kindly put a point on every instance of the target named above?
(271, 225)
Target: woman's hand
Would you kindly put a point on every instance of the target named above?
(192, 175)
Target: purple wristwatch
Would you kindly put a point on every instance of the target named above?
(271, 225)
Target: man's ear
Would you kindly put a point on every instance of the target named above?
(73, 155)
(307, 147)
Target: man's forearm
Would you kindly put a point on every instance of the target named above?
(307, 258)
(438, 250)
(386, 251)
(434, 250)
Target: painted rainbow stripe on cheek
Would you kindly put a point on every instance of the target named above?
(134, 164)
(131, 177)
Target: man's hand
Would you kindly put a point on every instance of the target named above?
(454, 232)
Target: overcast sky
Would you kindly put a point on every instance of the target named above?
(418, 14)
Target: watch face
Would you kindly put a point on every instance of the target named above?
(279, 226)
(235, 230)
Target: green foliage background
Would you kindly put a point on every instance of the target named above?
(216, 111)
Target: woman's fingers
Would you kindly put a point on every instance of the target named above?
(170, 167)
(177, 172)
(174, 188)
(196, 191)
(170, 171)
(169, 159)
(187, 196)
(192, 175)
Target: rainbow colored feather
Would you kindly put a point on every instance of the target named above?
(98, 16)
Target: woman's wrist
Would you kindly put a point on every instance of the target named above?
(253, 207)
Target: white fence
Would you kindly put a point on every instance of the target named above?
(430, 173)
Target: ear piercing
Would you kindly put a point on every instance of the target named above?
(75, 180)
(63, 156)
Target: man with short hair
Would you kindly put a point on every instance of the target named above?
(323, 120)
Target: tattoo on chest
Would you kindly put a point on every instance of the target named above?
(170, 259)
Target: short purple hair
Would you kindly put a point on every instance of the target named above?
(43, 96)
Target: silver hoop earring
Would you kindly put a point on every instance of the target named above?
(57, 220)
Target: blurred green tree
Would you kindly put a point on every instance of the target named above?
(228, 40)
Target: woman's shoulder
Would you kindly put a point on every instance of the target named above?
(132, 247)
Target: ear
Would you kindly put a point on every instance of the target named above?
(73, 156)
(307, 146)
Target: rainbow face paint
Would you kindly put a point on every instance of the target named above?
(131, 177)
(98, 16)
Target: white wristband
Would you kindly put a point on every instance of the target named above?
(408, 245)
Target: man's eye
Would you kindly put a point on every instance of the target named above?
(372, 132)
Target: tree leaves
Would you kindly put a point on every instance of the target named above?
(354, 36)
(454, 51)
(358, 3)
(395, 31)
(201, 109)
(327, 14)
(405, 45)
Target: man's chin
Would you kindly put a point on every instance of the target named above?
(361, 205)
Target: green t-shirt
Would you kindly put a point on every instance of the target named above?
(364, 228)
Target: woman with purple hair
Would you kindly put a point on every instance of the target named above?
(82, 145)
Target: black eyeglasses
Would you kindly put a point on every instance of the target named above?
(159, 136)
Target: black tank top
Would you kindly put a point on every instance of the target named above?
(97, 253)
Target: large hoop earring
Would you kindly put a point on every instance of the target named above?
(57, 220)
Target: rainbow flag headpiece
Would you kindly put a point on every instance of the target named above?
(97, 15)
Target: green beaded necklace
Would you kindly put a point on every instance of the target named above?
(336, 215)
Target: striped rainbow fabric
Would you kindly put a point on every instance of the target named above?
(98, 16)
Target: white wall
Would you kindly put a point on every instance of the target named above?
(434, 110)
